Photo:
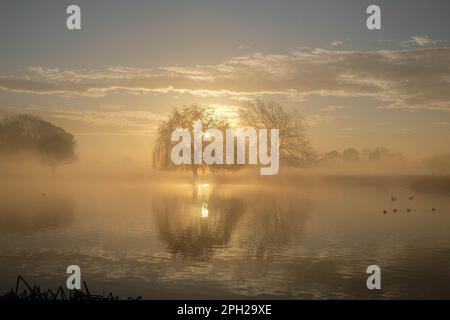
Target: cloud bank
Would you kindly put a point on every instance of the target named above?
(414, 78)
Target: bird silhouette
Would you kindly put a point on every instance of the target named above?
(433, 209)
(384, 211)
(395, 210)
(393, 198)
(411, 198)
(408, 210)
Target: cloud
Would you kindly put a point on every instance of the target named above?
(413, 78)
(332, 108)
(420, 41)
(442, 124)
(337, 43)
(404, 130)
(101, 120)
(316, 119)
(349, 129)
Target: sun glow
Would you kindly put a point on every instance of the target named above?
(229, 112)
(205, 211)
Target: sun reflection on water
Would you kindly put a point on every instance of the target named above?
(205, 211)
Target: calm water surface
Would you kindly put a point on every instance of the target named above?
(311, 240)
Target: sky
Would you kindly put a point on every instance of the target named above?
(114, 80)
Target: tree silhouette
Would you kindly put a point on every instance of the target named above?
(295, 148)
(26, 133)
(350, 155)
(439, 164)
(184, 118)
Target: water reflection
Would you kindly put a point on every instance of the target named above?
(192, 226)
(204, 212)
(275, 220)
(36, 213)
(230, 240)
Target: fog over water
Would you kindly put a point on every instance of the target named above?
(301, 234)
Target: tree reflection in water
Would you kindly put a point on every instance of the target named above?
(274, 221)
(193, 226)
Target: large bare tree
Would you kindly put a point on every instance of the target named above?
(184, 118)
(295, 148)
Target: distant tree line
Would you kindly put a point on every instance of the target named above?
(352, 155)
(439, 164)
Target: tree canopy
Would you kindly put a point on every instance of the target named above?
(27, 133)
(295, 148)
(184, 118)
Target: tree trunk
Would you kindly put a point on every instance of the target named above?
(194, 182)
(194, 172)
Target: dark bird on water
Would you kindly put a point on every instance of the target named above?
(433, 209)
(411, 198)
(408, 210)
(395, 210)
(384, 211)
(393, 198)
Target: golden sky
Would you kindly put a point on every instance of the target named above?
(113, 81)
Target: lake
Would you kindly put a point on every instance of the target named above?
(309, 238)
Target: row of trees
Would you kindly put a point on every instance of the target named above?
(295, 149)
(20, 134)
(28, 134)
(352, 155)
(439, 164)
